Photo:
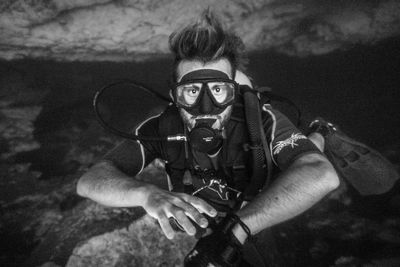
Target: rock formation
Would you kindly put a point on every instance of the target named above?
(129, 30)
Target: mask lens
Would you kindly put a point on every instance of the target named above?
(187, 94)
(223, 92)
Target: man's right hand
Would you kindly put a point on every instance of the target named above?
(162, 205)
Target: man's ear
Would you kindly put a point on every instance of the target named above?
(242, 79)
(171, 84)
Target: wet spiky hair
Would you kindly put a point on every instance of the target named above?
(206, 40)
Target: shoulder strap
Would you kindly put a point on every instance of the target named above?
(170, 123)
(283, 104)
(262, 162)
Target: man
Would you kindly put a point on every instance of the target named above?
(210, 173)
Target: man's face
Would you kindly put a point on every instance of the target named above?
(188, 67)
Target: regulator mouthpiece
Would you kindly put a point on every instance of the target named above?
(203, 138)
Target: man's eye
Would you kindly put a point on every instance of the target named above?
(192, 90)
(218, 89)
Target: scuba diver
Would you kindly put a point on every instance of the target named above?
(241, 167)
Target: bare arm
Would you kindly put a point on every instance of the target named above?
(107, 185)
(302, 185)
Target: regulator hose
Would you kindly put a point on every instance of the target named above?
(131, 136)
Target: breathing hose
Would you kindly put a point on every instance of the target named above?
(104, 124)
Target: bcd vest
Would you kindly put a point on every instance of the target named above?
(235, 155)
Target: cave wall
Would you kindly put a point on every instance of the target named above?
(126, 30)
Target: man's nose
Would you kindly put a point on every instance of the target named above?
(206, 104)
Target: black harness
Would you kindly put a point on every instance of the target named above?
(246, 159)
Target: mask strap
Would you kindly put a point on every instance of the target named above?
(233, 73)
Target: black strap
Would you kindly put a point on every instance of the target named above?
(261, 152)
(281, 99)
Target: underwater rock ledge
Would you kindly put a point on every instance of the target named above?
(135, 30)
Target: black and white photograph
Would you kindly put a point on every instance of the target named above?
(214, 133)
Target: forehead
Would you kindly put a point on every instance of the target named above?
(186, 66)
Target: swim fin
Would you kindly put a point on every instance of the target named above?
(369, 172)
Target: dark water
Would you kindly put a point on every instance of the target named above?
(359, 89)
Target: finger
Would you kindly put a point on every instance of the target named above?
(166, 227)
(202, 206)
(193, 213)
(184, 221)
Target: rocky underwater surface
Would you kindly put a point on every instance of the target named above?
(49, 137)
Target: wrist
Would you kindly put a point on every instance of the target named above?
(142, 193)
(240, 233)
(237, 228)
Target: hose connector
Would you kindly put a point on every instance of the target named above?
(178, 137)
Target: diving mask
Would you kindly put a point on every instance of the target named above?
(205, 88)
